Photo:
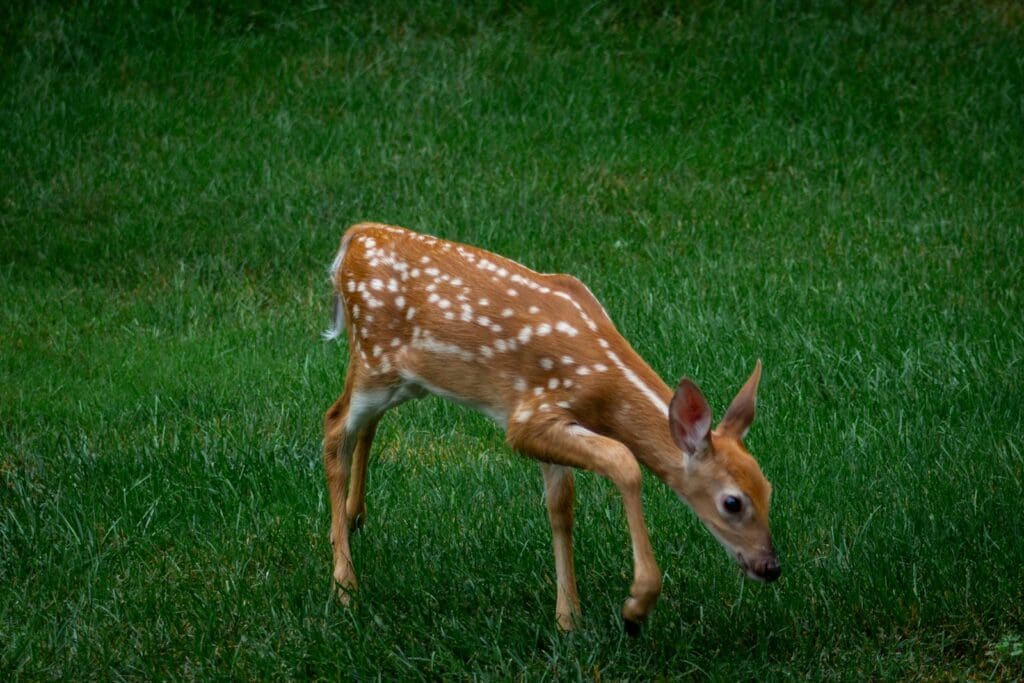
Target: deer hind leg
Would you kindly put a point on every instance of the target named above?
(556, 439)
(558, 493)
(355, 504)
(346, 425)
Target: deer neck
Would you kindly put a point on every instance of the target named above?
(640, 420)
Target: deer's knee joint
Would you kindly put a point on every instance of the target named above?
(625, 470)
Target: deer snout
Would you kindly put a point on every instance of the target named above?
(768, 568)
(764, 566)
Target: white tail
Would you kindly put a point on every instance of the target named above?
(538, 354)
(338, 317)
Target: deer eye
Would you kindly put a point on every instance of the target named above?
(732, 504)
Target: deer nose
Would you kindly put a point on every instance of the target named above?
(769, 569)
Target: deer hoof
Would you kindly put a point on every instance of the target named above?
(632, 627)
(345, 594)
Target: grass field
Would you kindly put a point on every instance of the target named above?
(833, 187)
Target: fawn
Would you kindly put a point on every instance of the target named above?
(538, 355)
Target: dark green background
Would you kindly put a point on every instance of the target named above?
(833, 187)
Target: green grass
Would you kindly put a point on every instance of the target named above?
(833, 187)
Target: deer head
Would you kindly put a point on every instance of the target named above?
(720, 480)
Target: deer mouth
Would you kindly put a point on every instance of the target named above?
(764, 569)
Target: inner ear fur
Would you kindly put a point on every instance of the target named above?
(689, 418)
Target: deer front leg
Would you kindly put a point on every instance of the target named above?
(646, 576)
(555, 438)
(558, 493)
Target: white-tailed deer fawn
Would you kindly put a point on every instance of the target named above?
(537, 354)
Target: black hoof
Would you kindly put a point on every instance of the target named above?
(357, 523)
(632, 627)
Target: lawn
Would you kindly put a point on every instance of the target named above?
(835, 188)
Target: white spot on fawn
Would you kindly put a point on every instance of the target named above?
(553, 383)
(410, 313)
(376, 284)
(566, 328)
(399, 302)
(543, 330)
(438, 346)
(519, 385)
(484, 302)
(534, 310)
(525, 334)
(507, 313)
(547, 363)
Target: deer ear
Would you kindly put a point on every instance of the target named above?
(740, 415)
(689, 417)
